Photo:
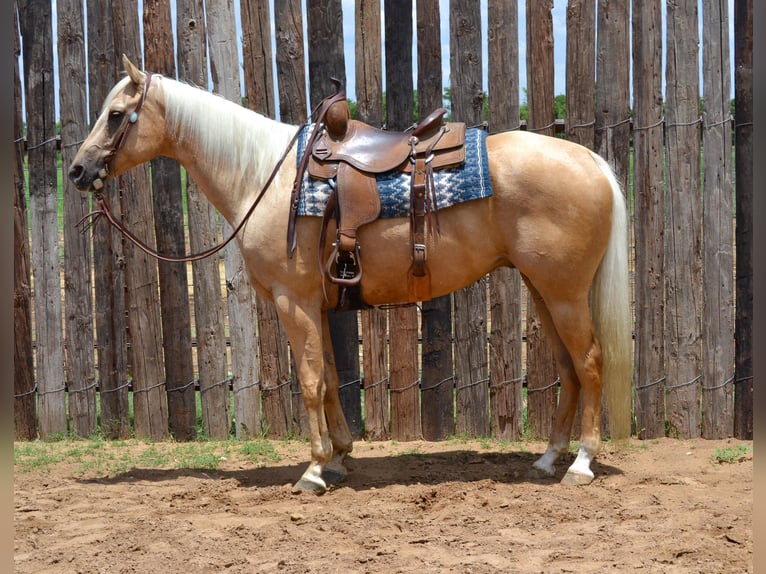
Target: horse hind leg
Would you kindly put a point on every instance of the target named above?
(566, 409)
(568, 325)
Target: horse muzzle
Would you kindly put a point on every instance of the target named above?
(87, 180)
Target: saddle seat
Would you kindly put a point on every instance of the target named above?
(372, 149)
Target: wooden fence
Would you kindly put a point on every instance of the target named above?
(109, 341)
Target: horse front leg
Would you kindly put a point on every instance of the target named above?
(340, 435)
(303, 326)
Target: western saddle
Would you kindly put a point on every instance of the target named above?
(349, 154)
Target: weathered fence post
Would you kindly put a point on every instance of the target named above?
(648, 191)
(403, 321)
(36, 29)
(169, 231)
(143, 309)
(77, 263)
(718, 215)
(471, 382)
(580, 118)
(209, 306)
(612, 135)
(291, 71)
(743, 130)
(613, 85)
(24, 408)
(505, 373)
(108, 258)
(542, 381)
(369, 94)
(257, 56)
(437, 378)
(224, 66)
(683, 231)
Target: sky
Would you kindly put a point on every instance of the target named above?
(559, 41)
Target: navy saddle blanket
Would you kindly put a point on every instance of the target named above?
(453, 185)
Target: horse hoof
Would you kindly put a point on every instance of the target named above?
(538, 473)
(333, 476)
(315, 486)
(572, 478)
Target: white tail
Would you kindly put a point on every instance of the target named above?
(611, 315)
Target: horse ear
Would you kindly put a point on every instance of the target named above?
(135, 74)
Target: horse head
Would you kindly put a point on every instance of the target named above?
(125, 133)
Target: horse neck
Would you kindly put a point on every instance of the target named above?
(228, 150)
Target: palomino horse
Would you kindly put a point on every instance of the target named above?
(557, 214)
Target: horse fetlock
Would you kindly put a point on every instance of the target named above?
(543, 467)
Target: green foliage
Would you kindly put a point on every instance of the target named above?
(100, 457)
(560, 106)
(732, 454)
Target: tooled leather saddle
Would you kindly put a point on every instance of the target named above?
(349, 155)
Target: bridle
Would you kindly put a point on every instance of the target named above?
(105, 211)
(118, 141)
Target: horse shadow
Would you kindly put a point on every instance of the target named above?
(376, 472)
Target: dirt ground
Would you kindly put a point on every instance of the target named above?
(455, 506)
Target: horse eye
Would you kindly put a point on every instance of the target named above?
(115, 120)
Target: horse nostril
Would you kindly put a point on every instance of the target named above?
(75, 173)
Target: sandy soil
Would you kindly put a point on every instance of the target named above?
(455, 506)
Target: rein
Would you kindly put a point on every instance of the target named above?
(105, 211)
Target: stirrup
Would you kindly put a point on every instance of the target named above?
(347, 266)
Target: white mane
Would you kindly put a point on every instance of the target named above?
(230, 138)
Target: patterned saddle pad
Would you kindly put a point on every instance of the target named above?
(467, 182)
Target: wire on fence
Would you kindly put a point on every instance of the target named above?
(407, 388)
(150, 388)
(182, 388)
(376, 384)
(114, 390)
(440, 383)
(248, 386)
(51, 392)
(657, 382)
(501, 384)
(350, 383)
(725, 383)
(694, 380)
(545, 388)
(226, 381)
(614, 125)
(82, 390)
(471, 384)
(275, 387)
(26, 394)
(580, 126)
